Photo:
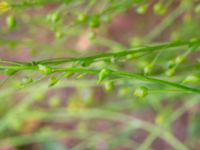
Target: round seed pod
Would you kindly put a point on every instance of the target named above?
(46, 70)
(11, 22)
(94, 21)
(141, 92)
(142, 9)
(109, 85)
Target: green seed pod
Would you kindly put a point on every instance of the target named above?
(171, 64)
(159, 8)
(109, 85)
(54, 101)
(141, 92)
(46, 70)
(27, 80)
(94, 21)
(10, 72)
(104, 73)
(179, 59)
(124, 91)
(142, 9)
(82, 17)
(68, 75)
(53, 81)
(11, 22)
(170, 72)
(92, 35)
(59, 35)
(191, 79)
(55, 17)
(148, 69)
(107, 19)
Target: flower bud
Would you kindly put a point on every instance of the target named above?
(44, 69)
(11, 22)
(141, 92)
(109, 85)
(104, 73)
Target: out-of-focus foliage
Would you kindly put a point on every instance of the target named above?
(99, 74)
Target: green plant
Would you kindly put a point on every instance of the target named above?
(60, 44)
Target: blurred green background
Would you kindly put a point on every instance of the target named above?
(64, 111)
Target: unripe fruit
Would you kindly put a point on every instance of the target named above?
(103, 74)
(59, 35)
(10, 72)
(94, 21)
(191, 79)
(170, 72)
(142, 9)
(44, 69)
(82, 17)
(109, 85)
(159, 8)
(11, 22)
(53, 81)
(148, 69)
(107, 19)
(55, 17)
(141, 92)
(92, 35)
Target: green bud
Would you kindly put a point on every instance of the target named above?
(11, 22)
(10, 72)
(107, 19)
(179, 59)
(68, 75)
(191, 79)
(148, 69)
(55, 17)
(86, 63)
(141, 92)
(53, 81)
(94, 21)
(171, 64)
(159, 8)
(92, 35)
(45, 69)
(59, 35)
(27, 80)
(54, 101)
(104, 73)
(82, 17)
(142, 9)
(170, 72)
(124, 91)
(109, 85)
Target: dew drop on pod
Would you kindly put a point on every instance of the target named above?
(11, 22)
(141, 92)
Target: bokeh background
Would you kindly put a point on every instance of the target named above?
(79, 114)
